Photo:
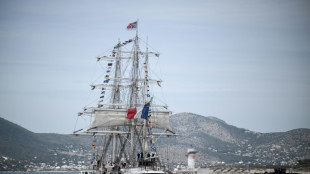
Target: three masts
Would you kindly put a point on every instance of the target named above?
(127, 87)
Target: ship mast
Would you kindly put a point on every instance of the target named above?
(116, 97)
(134, 95)
(110, 118)
(144, 144)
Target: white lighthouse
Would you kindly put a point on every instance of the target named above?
(191, 153)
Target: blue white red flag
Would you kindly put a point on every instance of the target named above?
(132, 25)
(138, 112)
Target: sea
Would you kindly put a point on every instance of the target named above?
(48, 172)
(201, 171)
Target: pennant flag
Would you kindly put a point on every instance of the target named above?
(117, 46)
(132, 25)
(110, 64)
(102, 92)
(138, 112)
(102, 96)
(107, 77)
(106, 81)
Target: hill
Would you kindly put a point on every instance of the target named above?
(20, 148)
(216, 141)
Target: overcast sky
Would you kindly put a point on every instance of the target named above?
(245, 62)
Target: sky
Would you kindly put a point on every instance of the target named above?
(245, 62)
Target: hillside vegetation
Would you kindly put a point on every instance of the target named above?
(216, 142)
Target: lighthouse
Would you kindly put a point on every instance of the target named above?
(191, 153)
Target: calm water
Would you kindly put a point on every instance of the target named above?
(39, 172)
(201, 171)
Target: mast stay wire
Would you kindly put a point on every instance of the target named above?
(93, 77)
(100, 76)
(148, 44)
(154, 73)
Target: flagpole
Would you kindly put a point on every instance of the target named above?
(137, 28)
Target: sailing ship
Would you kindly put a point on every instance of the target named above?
(126, 114)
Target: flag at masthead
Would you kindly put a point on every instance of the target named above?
(132, 26)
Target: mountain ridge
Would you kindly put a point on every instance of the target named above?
(21, 148)
(216, 141)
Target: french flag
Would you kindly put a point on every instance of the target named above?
(138, 112)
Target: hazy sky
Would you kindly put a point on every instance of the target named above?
(245, 62)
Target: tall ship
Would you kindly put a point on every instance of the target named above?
(126, 114)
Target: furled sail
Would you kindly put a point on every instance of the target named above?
(117, 117)
(126, 83)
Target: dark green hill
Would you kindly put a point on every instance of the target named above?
(19, 145)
